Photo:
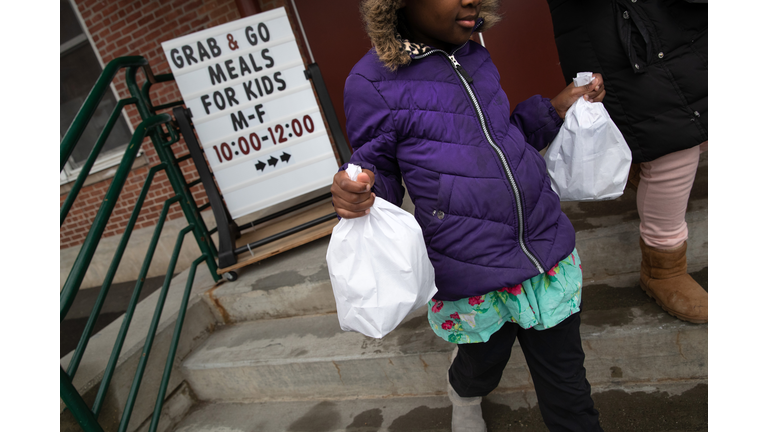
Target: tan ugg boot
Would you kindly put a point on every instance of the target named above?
(664, 277)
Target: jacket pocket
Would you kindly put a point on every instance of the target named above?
(440, 211)
(635, 35)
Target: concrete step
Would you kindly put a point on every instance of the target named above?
(663, 407)
(627, 338)
(281, 362)
(296, 282)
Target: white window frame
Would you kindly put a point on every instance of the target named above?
(113, 157)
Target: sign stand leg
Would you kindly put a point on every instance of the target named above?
(326, 105)
(227, 236)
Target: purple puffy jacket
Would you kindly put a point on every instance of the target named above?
(483, 198)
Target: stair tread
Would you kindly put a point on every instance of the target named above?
(663, 407)
(309, 338)
(626, 336)
(282, 340)
(605, 310)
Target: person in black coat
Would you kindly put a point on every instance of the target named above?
(652, 55)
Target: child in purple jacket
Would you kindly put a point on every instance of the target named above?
(425, 107)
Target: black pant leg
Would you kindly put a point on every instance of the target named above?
(556, 361)
(478, 367)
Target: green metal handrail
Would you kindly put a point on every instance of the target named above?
(151, 333)
(85, 170)
(151, 126)
(75, 403)
(174, 344)
(80, 350)
(112, 364)
(189, 208)
(84, 257)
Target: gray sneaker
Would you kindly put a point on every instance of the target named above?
(467, 414)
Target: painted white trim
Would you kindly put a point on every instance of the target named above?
(113, 157)
(72, 43)
(100, 60)
(105, 161)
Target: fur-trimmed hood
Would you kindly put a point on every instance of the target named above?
(383, 17)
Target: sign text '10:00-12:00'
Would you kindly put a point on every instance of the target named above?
(279, 134)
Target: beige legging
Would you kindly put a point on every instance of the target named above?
(662, 197)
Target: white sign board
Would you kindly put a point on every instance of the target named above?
(254, 110)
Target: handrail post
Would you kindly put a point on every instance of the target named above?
(77, 405)
(176, 179)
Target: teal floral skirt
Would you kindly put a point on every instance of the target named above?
(541, 302)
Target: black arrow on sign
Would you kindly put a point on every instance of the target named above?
(285, 157)
(260, 166)
(272, 161)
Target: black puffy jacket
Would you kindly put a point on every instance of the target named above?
(653, 57)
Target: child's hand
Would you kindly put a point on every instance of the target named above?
(594, 92)
(353, 199)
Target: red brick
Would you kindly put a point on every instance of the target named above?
(184, 29)
(125, 41)
(130, 28)
(161, 12)
(146, 19)
(121, 52)
(135, 16)
(85, 13)
(113, 37)
(218, 12)
(154, 34)
(168, 27)
(97, 26)
(192, 5)
(111, 9)
(98, 6)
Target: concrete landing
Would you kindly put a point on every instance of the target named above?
(627, 338)
(667, 407)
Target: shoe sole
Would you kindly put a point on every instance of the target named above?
(677, 315)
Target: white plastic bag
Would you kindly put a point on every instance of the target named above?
(589, 159)
(379, 268)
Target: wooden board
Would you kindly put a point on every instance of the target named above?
(279, 225)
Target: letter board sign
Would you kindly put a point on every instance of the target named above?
(254, 110)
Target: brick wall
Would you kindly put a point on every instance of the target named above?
(127, 27)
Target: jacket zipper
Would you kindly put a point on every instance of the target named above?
(465, 80)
